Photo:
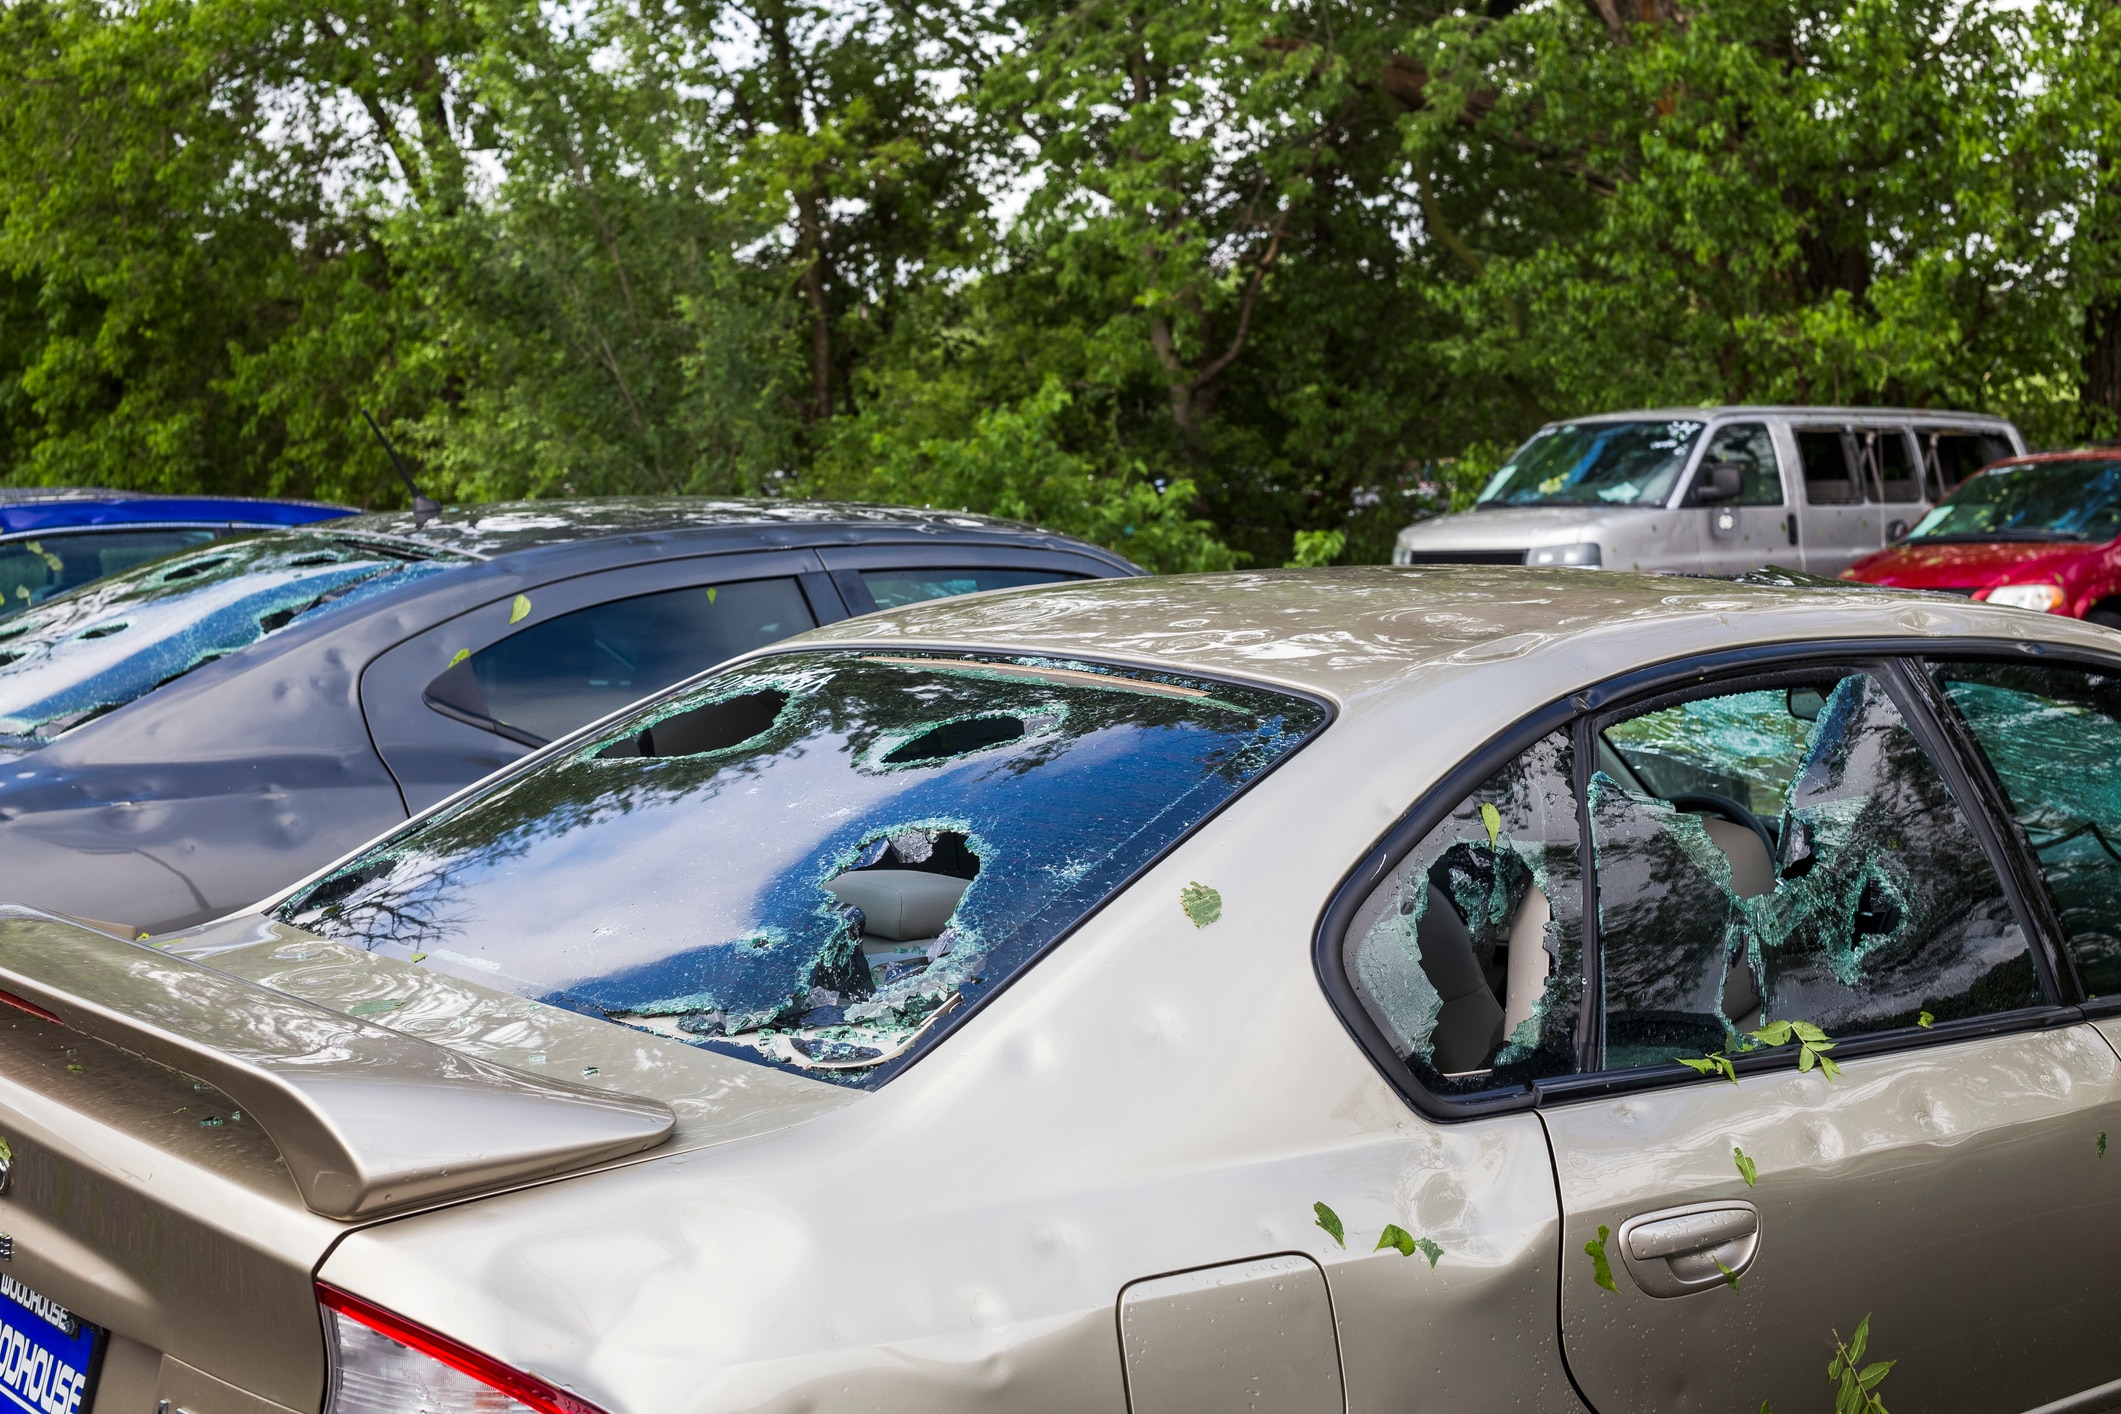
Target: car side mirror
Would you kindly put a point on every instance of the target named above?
(1718, 481)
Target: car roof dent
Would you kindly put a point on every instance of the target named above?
(1356, 632)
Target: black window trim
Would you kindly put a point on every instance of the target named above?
(824, 599)
(1906, 662)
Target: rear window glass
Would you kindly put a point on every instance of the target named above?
(814, 860)
(111, 642)
(34, 570)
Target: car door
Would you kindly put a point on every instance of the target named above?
(1750, 529)
(1892, 478)
(1818, 844)
(472, 694)
(890, 576)
(1835, 524)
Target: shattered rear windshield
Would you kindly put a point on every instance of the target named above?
(812, 860)
(111, 642)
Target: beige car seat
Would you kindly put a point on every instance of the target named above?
(1752, 874)
(904, 911)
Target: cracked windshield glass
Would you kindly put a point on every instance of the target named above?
(1469, 957)
(2052, 736)
(811, 860)
(92, 651)
(1594, 463)
(1789, 854)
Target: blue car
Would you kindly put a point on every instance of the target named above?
(53, 539)
(185, 737)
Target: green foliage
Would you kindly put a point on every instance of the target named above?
(1202, 904)
(1014, 463)
(1730, 1278)
(1747, 1169)
(1601, 1268)
(1812, 1048)
(1406, 1244)
(1317, 547)
(1812, 1044)
(1856, 1384)
(1330, 1221)
(2102, 1143)
(1213, 282)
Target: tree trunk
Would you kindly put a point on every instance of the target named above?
(2100, 392)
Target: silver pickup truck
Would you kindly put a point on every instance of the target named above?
(1717, 490)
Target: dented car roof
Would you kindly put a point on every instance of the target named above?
(492, 529)
(1352, 632)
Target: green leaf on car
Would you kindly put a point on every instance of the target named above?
(1730, 1278)
(2102, 1143)
(1330, 1221)
(375, 1006)
(1492, 818)
(1202, 904)
(1924, 1020)
(710, 596)
(1747, 1169)
(460, 655)
(1601, 1269)
(1407, 1244)
(520, 609)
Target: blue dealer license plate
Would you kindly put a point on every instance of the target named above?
(47, 1353)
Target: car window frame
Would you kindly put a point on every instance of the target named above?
(846, 564)
(1989, 782)
(403, 726)
(1906, 663)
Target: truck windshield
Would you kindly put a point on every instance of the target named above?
(2079, 500)
(91, 651)
(814, 861)
(1594, 463)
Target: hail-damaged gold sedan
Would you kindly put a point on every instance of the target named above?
(1363, 990)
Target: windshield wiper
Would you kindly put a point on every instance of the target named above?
(2038, 537)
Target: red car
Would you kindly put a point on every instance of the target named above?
(2035, 532)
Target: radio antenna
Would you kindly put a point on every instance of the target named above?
(423, 509)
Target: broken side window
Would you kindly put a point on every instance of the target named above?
(810, 860)
(1858, 900)
(2052, 736)
(1469, 955)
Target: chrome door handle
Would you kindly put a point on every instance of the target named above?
(1676, 1251)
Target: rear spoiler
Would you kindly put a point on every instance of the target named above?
(370, 1121)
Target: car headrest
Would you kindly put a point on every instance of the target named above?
(900, 903)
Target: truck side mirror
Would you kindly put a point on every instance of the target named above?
(1718, 481)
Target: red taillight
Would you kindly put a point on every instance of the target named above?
(382, 1362)
(25, 1004)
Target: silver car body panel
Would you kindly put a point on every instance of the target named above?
(1152, 1098)
(1718, 540)
(368, 1120)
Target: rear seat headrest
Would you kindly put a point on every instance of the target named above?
(900, 903)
